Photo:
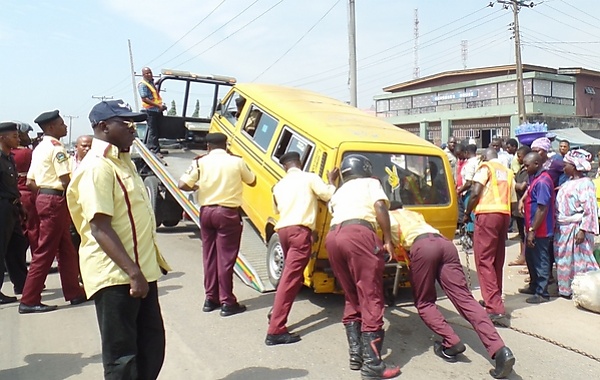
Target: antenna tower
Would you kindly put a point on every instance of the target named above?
(416, 72)
(464, 52)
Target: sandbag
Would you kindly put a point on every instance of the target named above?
(586, 290)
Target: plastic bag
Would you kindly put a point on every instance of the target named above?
(586, 290)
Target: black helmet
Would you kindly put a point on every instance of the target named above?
(356, 166)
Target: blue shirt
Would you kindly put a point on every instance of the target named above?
(555, 167)
(146, 93)
(540, 192)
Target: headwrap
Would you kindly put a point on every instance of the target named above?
(542, 143)
(580, 159)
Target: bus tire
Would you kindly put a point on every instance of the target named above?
(152, 183)
(275, 260)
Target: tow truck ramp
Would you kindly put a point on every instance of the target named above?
(251, 265)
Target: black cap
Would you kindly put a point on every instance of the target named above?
(289, 156)
(8, 126)
(114, 108)
(46, 117)
(216, 138)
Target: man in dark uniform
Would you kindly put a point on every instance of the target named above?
(13, 243)
(357, 255)
(49, 176)
(219, 177)
(22, 157)
(433, 257)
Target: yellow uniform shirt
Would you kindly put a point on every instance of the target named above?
(219, 177)
(296, 197)
(107, 183)
(355, 200)
(406, 226)
(482, 176)
(49, 161)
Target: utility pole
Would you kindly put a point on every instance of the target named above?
(135, 95)
(516, 7)
(70, 117)
(102, 98)
(352, 52)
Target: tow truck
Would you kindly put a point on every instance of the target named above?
(185, 126)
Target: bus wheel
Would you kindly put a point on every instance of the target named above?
(275, 260)
(152, 183)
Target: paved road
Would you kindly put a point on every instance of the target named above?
(65, 344)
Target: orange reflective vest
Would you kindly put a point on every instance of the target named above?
(155, 96)
(496, 195)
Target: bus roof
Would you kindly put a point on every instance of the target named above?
(314, 112)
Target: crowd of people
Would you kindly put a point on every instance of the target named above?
(550, 197)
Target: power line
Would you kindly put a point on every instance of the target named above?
(573, 17)
(564, 23)
(584, 12)
(298, 41)
(188, 32)
(206, 37)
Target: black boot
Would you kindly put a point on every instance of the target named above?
(505, 360)
(373, 367)
(354, 344)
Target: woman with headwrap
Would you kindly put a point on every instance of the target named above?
(576, 222)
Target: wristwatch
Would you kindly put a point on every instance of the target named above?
(531, 229)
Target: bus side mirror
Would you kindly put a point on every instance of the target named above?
(219, 107)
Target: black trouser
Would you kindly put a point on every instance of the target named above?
(151, 139)
(13, 245)
(132, 333)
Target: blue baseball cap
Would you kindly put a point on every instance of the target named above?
(114, 108)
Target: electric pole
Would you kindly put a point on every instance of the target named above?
(102, 98)
(516, 7)
(352, 52)
(70, 117)
(135, 95)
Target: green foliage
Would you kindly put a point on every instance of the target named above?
(197, 109)
(173, 109)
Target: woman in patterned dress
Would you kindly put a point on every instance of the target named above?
(576, 222)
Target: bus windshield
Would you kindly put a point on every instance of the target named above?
(414, 180)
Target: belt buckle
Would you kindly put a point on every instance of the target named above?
(15, 201)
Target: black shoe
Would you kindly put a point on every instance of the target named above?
(285, 338)
(482, 303)
(210, 306)
(526, 290)
(498, 319)
(40, 308)
(537, 299)
(448, 354)
(227, 310)
(505, 360)
(79, 300)
(4, 299)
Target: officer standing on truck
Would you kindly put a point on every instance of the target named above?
(154, 107)
(219, 177)
(433, 257)
(357, 258)
(295, 200)
(49, 176)
(13, 243)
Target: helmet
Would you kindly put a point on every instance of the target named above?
(356, 166)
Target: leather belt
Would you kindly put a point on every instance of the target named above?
(426, 235)
(60, 193)
(360, 222)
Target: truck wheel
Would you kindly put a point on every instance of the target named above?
(152, 183)
(275, 260)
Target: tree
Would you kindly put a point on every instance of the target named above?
(173, 109)
(197, 109)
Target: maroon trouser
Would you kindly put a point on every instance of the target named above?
(432, 258)
(489, 247)
(296, 242)
(54, 242)
(356, 257)
(221, 232)
(31, 225)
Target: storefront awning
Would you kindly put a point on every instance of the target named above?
(575, 136)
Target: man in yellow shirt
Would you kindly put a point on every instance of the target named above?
(433, 257)
(219, 177)
(120, 262)
(48, 176)
(357, 254)
(295, 200)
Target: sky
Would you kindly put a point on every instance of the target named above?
(58, 54)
